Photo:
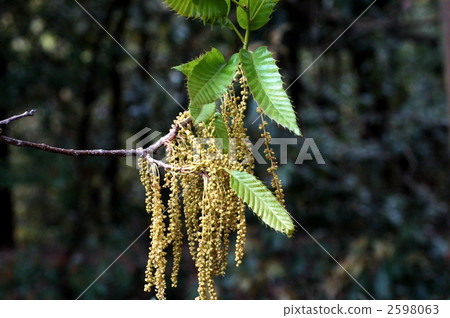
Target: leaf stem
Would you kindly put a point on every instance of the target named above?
(247, 39)
(247, 32)
(239, 4)
(236, 30)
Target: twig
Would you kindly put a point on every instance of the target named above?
(169, 137)
(147, 152)
(70, 152)
(13, 118)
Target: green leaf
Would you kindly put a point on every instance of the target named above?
(261, 200)
(188, 68)
(221, 133)
(267, 87)
(202, 113)
(207, 10)
(210, 77)
(260, 12)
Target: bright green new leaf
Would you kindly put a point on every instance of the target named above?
(210, 77)
(188, 68)
(202, 113)
(207, 10)
(221, 132)
(260, 12)
(261, 201)
(267, 87)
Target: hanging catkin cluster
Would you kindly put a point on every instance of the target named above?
(200, 194)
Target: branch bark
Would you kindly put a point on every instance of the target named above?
(145, 153)
(13, 118)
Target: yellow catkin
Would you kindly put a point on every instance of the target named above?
(146, 182)
(158, 238)
(155, 270)
(241, 233)
(175, 234)
(192, 196)
(270, 155)
(229, 224)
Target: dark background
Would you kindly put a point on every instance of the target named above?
(374, 104)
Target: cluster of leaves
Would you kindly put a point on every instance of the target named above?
(209, 75)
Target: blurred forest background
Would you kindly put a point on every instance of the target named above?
(374, 104)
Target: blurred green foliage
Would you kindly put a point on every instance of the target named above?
(374, 104)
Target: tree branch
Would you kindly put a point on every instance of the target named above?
(13, 118)
(147, 152)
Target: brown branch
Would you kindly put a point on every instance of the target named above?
(147, 152)
(13, 118)
(70, 152)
